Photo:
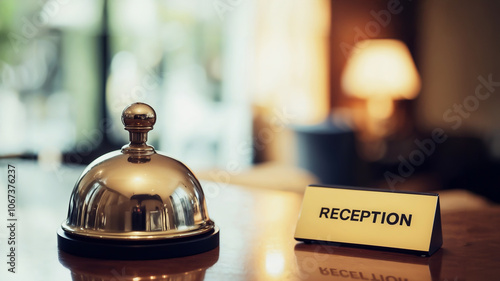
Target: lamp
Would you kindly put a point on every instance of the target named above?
(380, 71)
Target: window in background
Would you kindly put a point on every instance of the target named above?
(47, 67)
(188, 60)
(68, 68)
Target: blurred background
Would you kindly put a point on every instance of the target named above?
(275, 94)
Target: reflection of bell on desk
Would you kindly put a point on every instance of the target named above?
(136, 203)
(190, 268)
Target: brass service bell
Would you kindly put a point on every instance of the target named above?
(136, 203)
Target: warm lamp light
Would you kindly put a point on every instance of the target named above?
(380, 71)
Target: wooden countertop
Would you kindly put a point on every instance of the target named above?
(256, 241)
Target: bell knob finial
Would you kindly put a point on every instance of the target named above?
(138, 117)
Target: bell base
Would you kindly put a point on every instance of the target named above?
(137, 250)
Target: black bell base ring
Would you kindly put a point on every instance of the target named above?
(137, 250)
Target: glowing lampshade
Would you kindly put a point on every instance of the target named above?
(380, 71)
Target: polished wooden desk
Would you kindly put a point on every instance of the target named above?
(257, 227)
